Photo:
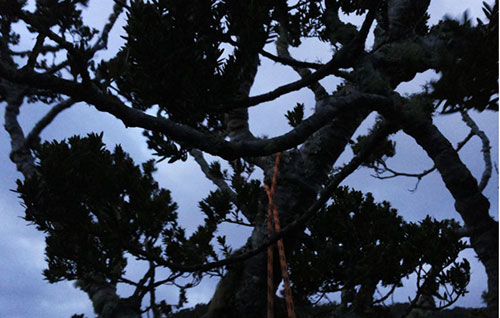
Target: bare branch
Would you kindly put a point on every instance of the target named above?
(470, 203)
(33, 55)
(27, 17)
(102, 42)
(220, 183)
(290, 61)
(342, 59)
(384, 298)
(44, 50)
(282, 50)
(485, 149)
(420, 175)
(46, 120)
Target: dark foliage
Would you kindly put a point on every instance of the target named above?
(94, 205)
(469, 63)
(355, 241)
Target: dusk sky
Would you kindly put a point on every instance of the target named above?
(24, 293)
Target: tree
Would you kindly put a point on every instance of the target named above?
(96, 206)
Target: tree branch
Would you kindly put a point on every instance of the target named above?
(19, 154)
(46, 120)
(420, 175)
(290, 61)
(342, 59)
(102, 42)
(470, 203)
(106, 102)
(282, 50)
(33, 55)
(485, 149)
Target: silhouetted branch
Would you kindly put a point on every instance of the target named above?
(282, 50)
(33, 55)
(213, 144)
(420, 175)
(46, 120)
(389, 293)
(102, 42)
(485, 148)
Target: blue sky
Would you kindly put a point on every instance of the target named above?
(24, 293)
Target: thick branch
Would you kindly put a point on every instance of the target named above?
(20, 154)
(35, 52)
(212, 144)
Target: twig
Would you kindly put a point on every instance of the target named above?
(102, 42)
(383, 298)
(46, 120)
(282, 50)
(485, 149)
(420, 175)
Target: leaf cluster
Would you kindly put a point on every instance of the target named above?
(93, 205)
(173, 57)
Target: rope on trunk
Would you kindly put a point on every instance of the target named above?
(273, 217)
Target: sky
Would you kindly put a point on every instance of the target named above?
(24, 293)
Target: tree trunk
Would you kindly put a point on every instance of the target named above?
(106, 303)
(242, 292)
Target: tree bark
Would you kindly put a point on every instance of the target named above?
(242, 292)
(106, 303)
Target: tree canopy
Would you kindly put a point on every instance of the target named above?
(184, 75)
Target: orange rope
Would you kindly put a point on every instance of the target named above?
(273, 216)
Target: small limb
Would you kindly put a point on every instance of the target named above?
(290, 61)
(486, 148)
(33, 55)
(31, 20)
(238, 222)
(283, 53)
(219, 182)
(384, 298)
(44, 50)
(102, 42)
(393, 173)
(152, 291)
(56, 68)
(46, 120)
